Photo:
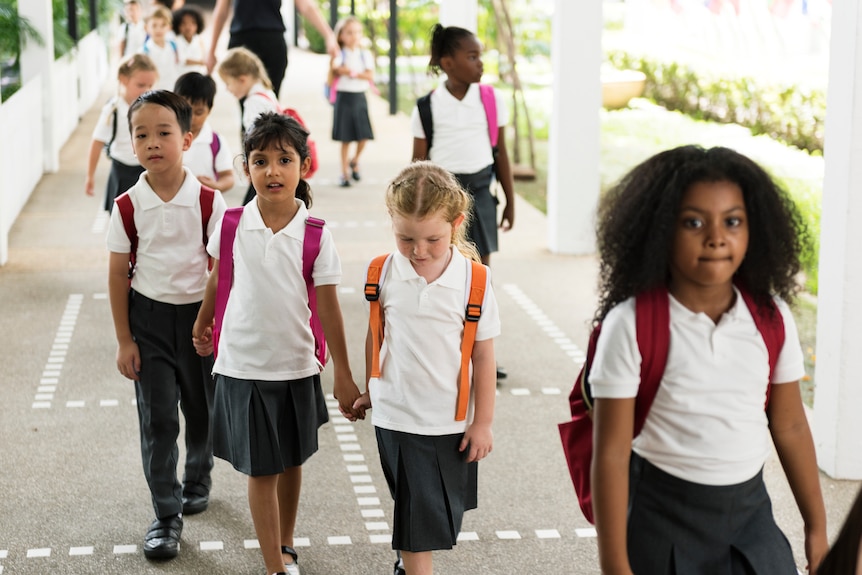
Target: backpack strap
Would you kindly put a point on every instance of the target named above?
(767, 317)
(423, 104)
(373, 282)
(652, 325)
(476, 282)
(229, 224)
(489, 102)
(310, 251)
(114, 115)
(127, 214)
(215, 146)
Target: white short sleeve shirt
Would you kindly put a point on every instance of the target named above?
(258, 101)
(121, 147)
(707, 423)
(167, 61)
(358, 61)
(172, 260)
(199, 157)
(461, 143)
(420, 357)
(265, 332)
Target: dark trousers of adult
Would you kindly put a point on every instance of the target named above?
(171, 373)
(270, 47)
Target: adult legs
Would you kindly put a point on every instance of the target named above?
(270, 47)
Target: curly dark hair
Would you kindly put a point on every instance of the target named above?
(181, 13)
(637, 221)
(280, 130)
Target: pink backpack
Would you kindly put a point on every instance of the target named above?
(310, 250)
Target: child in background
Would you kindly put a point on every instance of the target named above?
(153, 316)
(429, 459)
(687, 494)
(352, 76)
(245, 77)
(269, 402)
(162, 49)
(136, 75)
(132, 31)
(188, 23)
(461, 143)
(209, 157)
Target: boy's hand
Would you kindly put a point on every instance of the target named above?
(202, 339)
(480, 441)
(346, 392)
(129, 360)
(208, 182)
(361, 406)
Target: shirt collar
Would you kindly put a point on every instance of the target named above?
(468, 97)
(454, 276)
(206, 134)
(294, 229)
(187, 196)
(736, 311)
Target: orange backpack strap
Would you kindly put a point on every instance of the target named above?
(476, 297)
(373, 281)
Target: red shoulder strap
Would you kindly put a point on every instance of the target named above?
(489, 102)
(652, 325)
(476, 297)
(127, 214)
(770, 324)
(310, 251)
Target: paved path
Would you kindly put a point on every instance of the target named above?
(72, 495)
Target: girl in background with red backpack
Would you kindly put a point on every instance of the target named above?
(709, 227)
(269, 402)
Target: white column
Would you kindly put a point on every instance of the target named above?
(838, 396)
(573, 142)
(462, 13)
(288, 14)
(38, 60)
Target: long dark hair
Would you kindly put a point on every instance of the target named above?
(274, 129)
(637, 222)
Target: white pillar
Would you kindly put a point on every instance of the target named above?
(573, 142)
(288, 14)
(38, 60)
(838, 396)
(462, 13)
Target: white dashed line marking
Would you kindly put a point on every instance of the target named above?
(57, 356)
(42, 552)
(80, 551)
(508, 535)
(125, 549)
(468, 536)
(586, 532)
(547, 534)
(339, 540)
(212, 545)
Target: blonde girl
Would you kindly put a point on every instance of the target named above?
(245, 77)
(352, 73)
(136, 75)
(429, 459)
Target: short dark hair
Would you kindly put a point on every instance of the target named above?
(179, 106)
(195, 87)
(181, 13)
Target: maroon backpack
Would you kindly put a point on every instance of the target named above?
(652, 326)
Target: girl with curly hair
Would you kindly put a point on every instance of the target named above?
(687, 494)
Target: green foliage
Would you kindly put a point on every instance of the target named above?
(14, 29)
(792, 114)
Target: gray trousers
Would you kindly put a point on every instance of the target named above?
(172, 374)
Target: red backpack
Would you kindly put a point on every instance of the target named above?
(310, 251)
(652, 325)
(312, 145)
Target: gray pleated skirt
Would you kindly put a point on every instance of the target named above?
(483, 224)
(350, 121)
(676, 527)
(432, 485)
(264, 427)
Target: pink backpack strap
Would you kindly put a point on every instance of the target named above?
(310, 251)
(489, 102)
(652, 325)
(229, 225)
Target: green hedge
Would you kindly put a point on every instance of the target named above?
(792, 114)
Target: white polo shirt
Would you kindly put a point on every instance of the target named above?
(258, 101)
(167, 61)
(460, 143)
(171, 258)
(420, 359)
(358, 61)
(707, 423)
(199, 157)
(121, 147)
(266, 333)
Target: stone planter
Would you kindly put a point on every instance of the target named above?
(620, 86)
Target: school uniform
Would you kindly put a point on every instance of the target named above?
(199, 157)
(258, 101)
(697, 499)
(190, 50)
(350, 121)
(165, 295)
(415, 397)
(167, 61)
(113, 126)
(134, 33)
(269, 401)
(461, 145)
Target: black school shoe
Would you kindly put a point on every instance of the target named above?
(196, 499)
(399, 568)
(162, 540)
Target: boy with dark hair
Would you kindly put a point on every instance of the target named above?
(157, 236)
(208, 158)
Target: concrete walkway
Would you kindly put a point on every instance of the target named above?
(72, 495)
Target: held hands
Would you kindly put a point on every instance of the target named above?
(361, 405)
(479, 439)
(202, 338)
(129, 360)
(208, 182)
(347, 394)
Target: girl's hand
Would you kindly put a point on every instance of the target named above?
(816, 546)
(479, 439)
(208, 182)
(129, 360)
(361, 406)
(507, 221)
(347, 393)
(202, 339)
(89, 186)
